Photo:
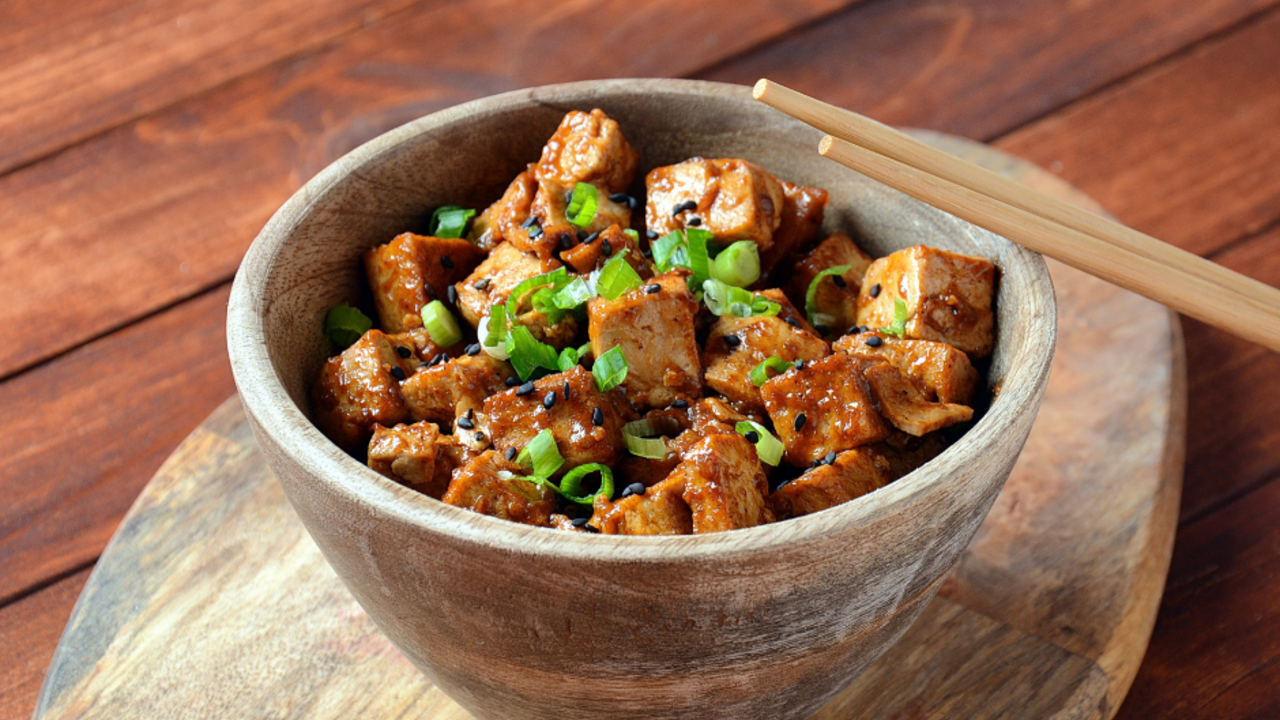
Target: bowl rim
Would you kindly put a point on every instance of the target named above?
(273, 411)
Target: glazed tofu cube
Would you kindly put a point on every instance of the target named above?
(360, 389)
(803, 209)
(411, 271)
(853, 473)
(447, 392)
(495, 278)
(660, 510)
(504, 220)
(418, 343)
(941, 372)
(416, 456)
(589, 148)
(550, 206)
(724, 484)
(584, 257)
(902, 403)
(736, 345)
(836, 295)
(656, 333)
(513, 418)
(824, 408)
(948, 297)
(487, 484)
(733, 199)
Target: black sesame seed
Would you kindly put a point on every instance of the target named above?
(619, 197)
(481, 284)
(397, 372)
(440, 359)
(874, 341)
(525, 389)
(635, 488)
(874, 291)
(566, 242)
(465, 423)
(647, 253)
(580, 522)
(566, 389)
(732, 341)
(799, 365)
(830, 457)
(597, 417)
(470, 414)
(451, 294)
(686, 205)
(864, 328)
(793, 322)
(752, 437)
(651, 234)
(535, 232)
(512, 381)
(653, 289)
(591, 238)
(680, 403)
(606, 249)
(403, 351)
(816, 463)
(511, 454)
(424, 364)
(549, 401)
(694, 221)
(473, 349)
(800, 421)
(446, 261)
(480, 436)
(839, 281)
(591, 528)
(853, 330)
(529, 222)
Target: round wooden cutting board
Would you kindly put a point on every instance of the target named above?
(212, 602)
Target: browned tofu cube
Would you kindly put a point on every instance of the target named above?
(421, 347)
(824, 408)
(729, 362)
(659, 510)
(411, 271)
(495, 278)
(802, 211)
(487, 484)
(853, 473)
(733, 199)
(724, 484)
(359, 389)
(656, 333)
(416, 456)
(943, 373)
(550, 206)
(513, 419)
(836, 295)
(948, 297)
(649, 471)
(902, 403)
(584, 257)
(504, 220)
(452, 391)
(589, 148)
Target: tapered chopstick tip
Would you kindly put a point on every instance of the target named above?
(761, 87)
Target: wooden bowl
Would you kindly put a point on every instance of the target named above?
(514, 621)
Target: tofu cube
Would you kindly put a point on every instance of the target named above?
(902, 403)
(499, 274)
(906, 452)
(416, 456)
(948, 297)
(803, 209)
(826, 407)
(456, 389)
(411, 271)
(584, 257)
(734, 200)
(590, 148)
(854, 473)
(487, 485)
(836, 296)
(756, 339)
(504, 219)
(514, 419)
(357, 390)
(941, 372)
(550, 206)
(656, 333)
(724, 484)
(660, 510)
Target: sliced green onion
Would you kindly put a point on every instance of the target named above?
(496, 328)
(899, 326)
(720, 295)
(572, 295)
(494, 349)
(610, 369)
(449, 221)
(810, 296)
(768, 447)
(617, 277)
(556, 279)
(582, 204)
(528, 354)
(441, 325)
(738, 264)
(760, 373)
(664, 249)
(634, 235)
(543, 301)
(571, 483)
(644, 440)
(699, 255)
(761, 305)
(344, 325)
(541, 455)
(570, 357)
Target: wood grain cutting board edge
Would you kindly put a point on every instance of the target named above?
(211, 601)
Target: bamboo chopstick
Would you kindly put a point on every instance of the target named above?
(1185, 282)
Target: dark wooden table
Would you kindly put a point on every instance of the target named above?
(145, 142)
